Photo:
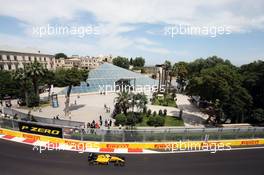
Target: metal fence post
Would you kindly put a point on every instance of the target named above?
(144, 136)
(81, 135)
(205, 135)
(164, 135)
(237, 132)
(103, 137)
(253, 133)
(123, 136)
(185, 134)
(62, 132)
(220, 130)
(13, 126)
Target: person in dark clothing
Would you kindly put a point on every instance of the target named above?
(88, 125)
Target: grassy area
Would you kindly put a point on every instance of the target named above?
(169, 121)
(173, 121)
(161, 101)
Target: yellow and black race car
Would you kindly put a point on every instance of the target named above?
(105, 159)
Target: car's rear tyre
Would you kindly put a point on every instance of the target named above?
(119, 163)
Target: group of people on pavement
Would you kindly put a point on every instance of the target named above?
(96, 125)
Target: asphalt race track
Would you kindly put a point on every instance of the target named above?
(20, 159)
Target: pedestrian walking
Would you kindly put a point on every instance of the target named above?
(105, 123)
(108, 123)
(88, 125)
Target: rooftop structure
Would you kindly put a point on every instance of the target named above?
(10, 60)
(107, 76)
(87, 62)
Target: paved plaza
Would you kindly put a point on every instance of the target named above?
(85, 108)
(88, 107)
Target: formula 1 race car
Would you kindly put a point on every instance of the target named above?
(105, 159)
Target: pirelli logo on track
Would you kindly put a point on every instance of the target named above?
(39, 129)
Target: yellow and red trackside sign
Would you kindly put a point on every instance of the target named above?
(162, 146)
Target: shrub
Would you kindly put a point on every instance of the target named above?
(120, 119)
(33, 100)
(131, 120)
(138, 117)
(156, 121)
(149, 113)
(145, 110)
(165, 112)
(160, 112)
(117, 110)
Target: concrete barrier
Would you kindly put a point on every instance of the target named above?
(130, 147)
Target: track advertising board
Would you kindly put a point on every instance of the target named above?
(39, 129)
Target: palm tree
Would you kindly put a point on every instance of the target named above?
(171, 74)
(70, 77)
(49, 79)
(140, 101)
(167, 68)
(35, 71)
(21, 77)
(122, 100)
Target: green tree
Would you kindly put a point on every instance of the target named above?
(121, 62)
(60, 55)
(49, 79)
(122, 100)
(141, 101)
(70, 77)
(222, 83)
(156, 121)
(20, 75)
(195, 67)
(139, 62)
(120, 119)
(258, 115)
(35, 71)
(167, 69)
(253, 81)
(131, 61)
(8, 86)
(180, 69)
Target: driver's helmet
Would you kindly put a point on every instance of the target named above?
(107, 155)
